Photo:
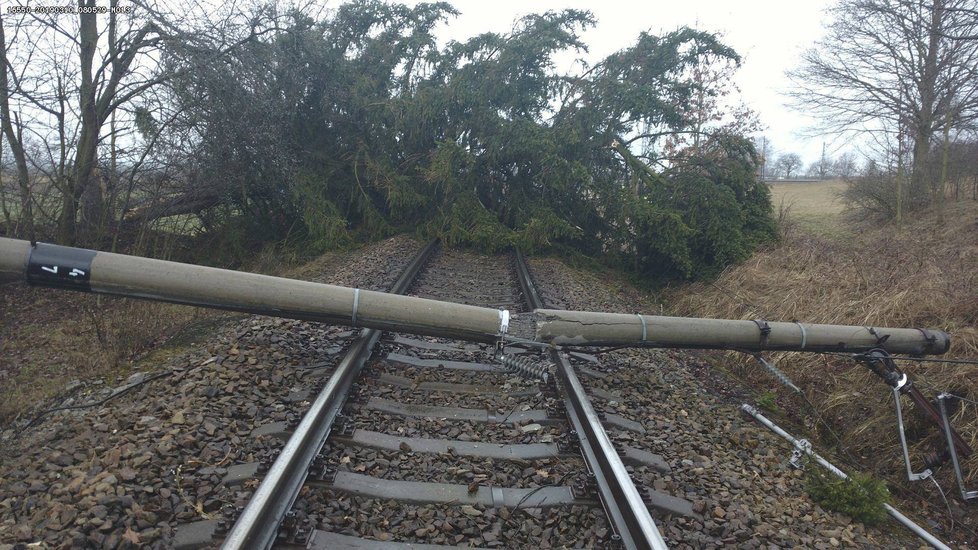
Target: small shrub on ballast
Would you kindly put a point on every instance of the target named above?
(861, 497)
(767, 400)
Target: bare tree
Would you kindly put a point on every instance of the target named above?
(963, 30)
(787, 164)
(844, 166)
(894, 64)
(81, 78)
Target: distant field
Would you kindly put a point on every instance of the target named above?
(815, 206)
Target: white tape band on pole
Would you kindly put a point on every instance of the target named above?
(356, 304)
(804, 334)
(645, 328)
(503, 321)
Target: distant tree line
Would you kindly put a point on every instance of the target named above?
(788, 165)
(316, 129)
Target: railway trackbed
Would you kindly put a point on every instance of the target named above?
(438, 442)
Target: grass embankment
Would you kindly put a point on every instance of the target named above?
(827, 270)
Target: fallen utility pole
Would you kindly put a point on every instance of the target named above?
(90, 271)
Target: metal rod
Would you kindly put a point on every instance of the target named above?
(911, 475)
(258, 524)
(894, 513)
(620, 498)
(951, 447)
(882, 364)
(90, 271)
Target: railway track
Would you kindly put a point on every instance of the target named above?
(431, 442)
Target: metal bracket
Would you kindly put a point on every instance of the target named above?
(911, 475)
(952, 448)
(323, 469)
(765, 330)
(586, 489)
(798, 454)
(880, 362)
(503, 321)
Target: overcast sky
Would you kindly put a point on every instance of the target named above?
(769, 34)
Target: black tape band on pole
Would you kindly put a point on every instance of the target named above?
(60, 266)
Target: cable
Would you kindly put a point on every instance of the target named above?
(921, 360)
(592, 351)
(915, 359)
(524, 341)
(819, 419)
(938, 390)
(111, 396)
(946, 503)
(838, 440)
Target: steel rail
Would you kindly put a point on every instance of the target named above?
(258, 524)
(618, 494)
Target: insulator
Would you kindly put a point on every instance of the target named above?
(781, 376)
(524, 366)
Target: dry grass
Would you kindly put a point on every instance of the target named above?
(815, 207)
(49, 338)
(921, 275)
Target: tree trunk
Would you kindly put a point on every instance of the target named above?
(108, 182)
(924, 124)
(899, 176)
(942, 189)
(15, 138)
(3, 193)
(88, 135)
(918, 174)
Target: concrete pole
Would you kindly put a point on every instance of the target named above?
(118, 274)
(610, 329)
(103, 272)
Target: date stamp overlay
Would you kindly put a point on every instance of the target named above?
(68, 9)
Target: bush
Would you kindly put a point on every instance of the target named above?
(768, 401)
(875, 193)
(861, 497)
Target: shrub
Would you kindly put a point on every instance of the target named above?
(875, 193)
(767, 401)
(861, 497)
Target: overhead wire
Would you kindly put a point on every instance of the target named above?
(915, 359)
